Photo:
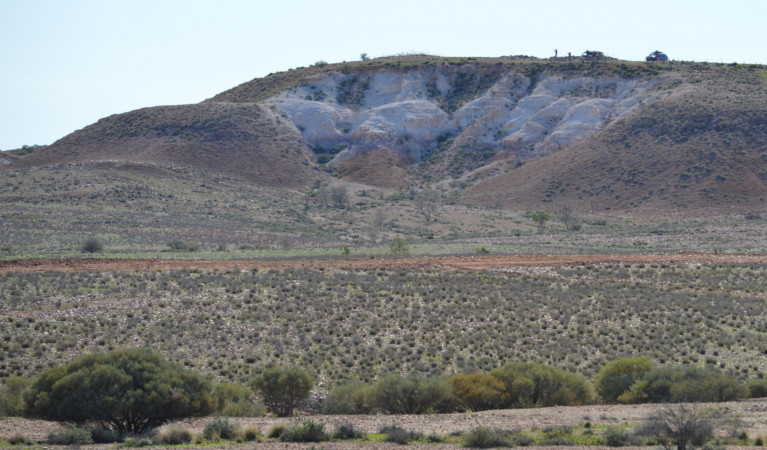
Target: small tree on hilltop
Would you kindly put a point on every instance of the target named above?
(540, 218)
(282, 388)
(398, 246)
(127, 391)
(91, 245)
(428, 203)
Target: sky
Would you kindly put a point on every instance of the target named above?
(64, 64)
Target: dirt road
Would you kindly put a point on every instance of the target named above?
(490, 262)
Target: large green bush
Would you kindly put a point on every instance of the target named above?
(534, 384)
(282, 388)
(617, 376)
(684, 384)
(11, 395)
(348, 398)
(477, 391)
(236, 400)
(394, 394)
(127, 391)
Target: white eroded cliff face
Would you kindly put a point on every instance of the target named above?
(342, 115)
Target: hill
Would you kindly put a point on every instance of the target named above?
(243, 140)
(592, 132)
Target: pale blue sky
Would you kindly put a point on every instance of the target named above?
(66, 63)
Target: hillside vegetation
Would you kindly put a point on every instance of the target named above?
(359, 324)
(512, 132)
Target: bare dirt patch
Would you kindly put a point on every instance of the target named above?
(499, 262)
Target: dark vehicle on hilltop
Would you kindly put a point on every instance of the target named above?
(657, 55)
(593, 54)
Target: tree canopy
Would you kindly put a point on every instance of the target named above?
(128, 391)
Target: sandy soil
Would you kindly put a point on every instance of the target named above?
(447, 262)
(753, 413)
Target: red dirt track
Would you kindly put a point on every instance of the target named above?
(445, 262)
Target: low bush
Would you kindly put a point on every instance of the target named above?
(484, 437)
(250, 434)
(616, 437)
(399, 435)
(346, 430)
(394, 394)
(71, 436)
(349, 398)
(104, 436)
(617, 376)
(684, 384)
(91, 245)
(276, 431)
(758, 388)
(175, 435)
(19, 439)
(534, 384)
(305, 431)
(221, 429)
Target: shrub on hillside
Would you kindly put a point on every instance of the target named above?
(684, 384)
(305, 431)
(91, 245)
(236, 400)
(221, 428)
(12, 395)
(71, 436)
(394, 394)
(175, 435)
(282, 388)
(349, 398)
(477, 391)
(534, 384)
(758, 388)
(617, 376)
(484, 437)
(127, 391)
(399, 435)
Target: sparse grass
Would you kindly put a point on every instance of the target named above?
(347, 324)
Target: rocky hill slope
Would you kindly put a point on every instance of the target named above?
(500, 131)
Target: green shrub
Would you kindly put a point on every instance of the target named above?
(250, 434)
(398, 247)
(12, 395)
(616, 437)
(484, 437)
(758, 388)
(18, 439)
(349, 398)
(175, 435)
(399, 435)
(394, 394)
(305, 431)
(534, 384)
(236, 400)
(127, 391)
(282, 388)
(681, 425)
(617, 376)
(684, 384)
(71, 436)
(104, 436)
(91, 245)
(276, 431)
(477, 391)
(221, 429)
(346, 430)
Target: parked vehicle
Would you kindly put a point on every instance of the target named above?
(657, 55)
